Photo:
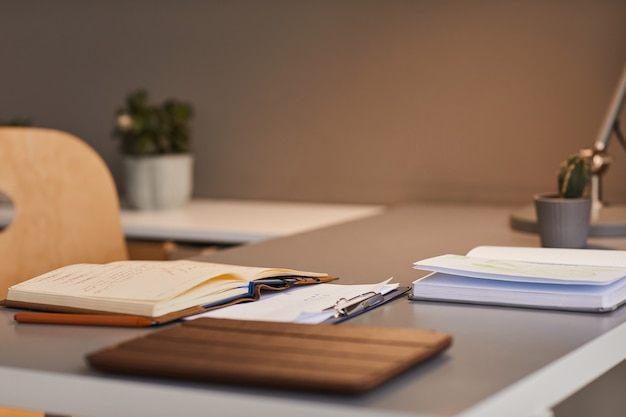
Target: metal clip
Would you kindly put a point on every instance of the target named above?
(354, 305)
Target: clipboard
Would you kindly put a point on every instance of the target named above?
(345, 309)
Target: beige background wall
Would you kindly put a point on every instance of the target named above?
(333, 100)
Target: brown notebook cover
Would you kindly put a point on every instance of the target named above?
(340, 359)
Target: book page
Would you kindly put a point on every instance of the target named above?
(136, 280)
(589, 257)
(500, 269)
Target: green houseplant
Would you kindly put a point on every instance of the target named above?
(147, 129)
(16, 122)
(155, 142)
(563, 218)
(574, 176)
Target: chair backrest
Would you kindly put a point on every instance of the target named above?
(65, 205)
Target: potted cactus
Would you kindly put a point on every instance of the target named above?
(154, 140)
(563, 217)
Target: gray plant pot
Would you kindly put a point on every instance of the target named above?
(159, 182)
(562, 222)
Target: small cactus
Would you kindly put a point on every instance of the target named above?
(574, 176)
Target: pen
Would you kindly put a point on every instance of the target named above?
(83, 319)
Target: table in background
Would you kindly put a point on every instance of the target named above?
(503, 362)
(238, 221)
(205, 224)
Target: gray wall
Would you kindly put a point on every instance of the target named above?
(333, 100)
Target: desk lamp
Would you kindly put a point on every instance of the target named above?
(606, 219)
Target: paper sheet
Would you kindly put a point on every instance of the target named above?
(307, 304)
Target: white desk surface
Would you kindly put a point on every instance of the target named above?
(238, 221)
(503, 361)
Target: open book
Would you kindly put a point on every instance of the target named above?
(160, 290)
(567, 279)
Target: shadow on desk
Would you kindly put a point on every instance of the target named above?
(157, 250)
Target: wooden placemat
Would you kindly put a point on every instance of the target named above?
(340, 359)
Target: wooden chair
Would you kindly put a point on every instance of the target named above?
(66, 207)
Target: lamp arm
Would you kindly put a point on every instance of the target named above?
(611, 118)
(619, 134)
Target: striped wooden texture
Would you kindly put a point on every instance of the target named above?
(324, 358)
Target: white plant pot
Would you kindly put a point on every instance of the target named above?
(159, 182)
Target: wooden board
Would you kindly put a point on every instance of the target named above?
(339, 359)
